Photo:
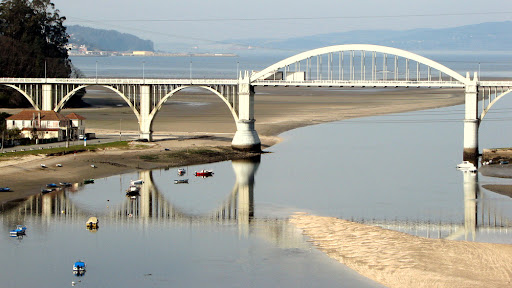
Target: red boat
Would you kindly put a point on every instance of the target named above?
(204, 173)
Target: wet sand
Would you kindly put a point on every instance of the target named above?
(396, 259)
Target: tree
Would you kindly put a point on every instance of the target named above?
(33, 42)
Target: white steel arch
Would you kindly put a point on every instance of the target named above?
(72, 93)
(171, 93)
(484, 112)
(261, 75)
(24, 94)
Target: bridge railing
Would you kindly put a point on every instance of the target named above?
(108, 81)
(359, 83)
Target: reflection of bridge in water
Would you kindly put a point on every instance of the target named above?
(479, 216)
(152, 207)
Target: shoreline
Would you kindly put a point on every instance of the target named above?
(277, 110)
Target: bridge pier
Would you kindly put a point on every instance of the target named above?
(471, 121)
(246, 138)
(47, 101)
(145, 123)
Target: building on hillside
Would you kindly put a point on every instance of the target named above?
(36, 124)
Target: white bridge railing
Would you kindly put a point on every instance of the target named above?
(359, 83)
(109, 81)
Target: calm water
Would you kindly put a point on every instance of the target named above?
(230, 230)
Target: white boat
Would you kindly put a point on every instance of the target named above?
(466, 165)
(181, 181)
(136, 182)
(133, 189)
(181, 171)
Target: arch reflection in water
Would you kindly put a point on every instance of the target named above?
(152, 207)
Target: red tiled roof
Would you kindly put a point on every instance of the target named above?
(75, 116)
(34, 114)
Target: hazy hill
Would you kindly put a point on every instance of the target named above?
(495, 36)
(107, 40)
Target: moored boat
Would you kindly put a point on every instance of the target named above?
(19, 231)
(181, 181)
(137, 182)
(51, 185)
(5, 189)
(466, 165)
(181, 171)
(46, 190)
(79, 268)
(204, 173)
(92, 223)
(65, 184)
(88, 181)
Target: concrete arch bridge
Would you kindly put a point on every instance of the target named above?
(351, 65)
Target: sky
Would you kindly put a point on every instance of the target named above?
(225, 21)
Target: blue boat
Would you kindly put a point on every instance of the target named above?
(19, 231)
(52, 185)
(5, 189)
(79, 268)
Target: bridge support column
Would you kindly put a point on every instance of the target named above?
(47, 101)
(246, 138)
(471, 122)
(145, 131)
(245, 170)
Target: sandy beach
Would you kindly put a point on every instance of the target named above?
(397, 259)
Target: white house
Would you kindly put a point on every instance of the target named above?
(36, 124)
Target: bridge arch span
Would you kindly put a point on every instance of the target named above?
(267, 72)
(489, 106)
(160, 103)
(24, 95)
(68, 96)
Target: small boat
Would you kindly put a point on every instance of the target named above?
(466, 165)
(43, 166)
(58, 165)
(19, 231)
(51, 185)
(64, 184)
(92, 223)
(181, 171)
(204, 173)
(46, 190)
(93, 166)
(181, 181)
(503, 162)
(5, 189)
(88, 181)
(136, 182)
(79, 268)
(133, 188)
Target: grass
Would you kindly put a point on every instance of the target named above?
(64, 150)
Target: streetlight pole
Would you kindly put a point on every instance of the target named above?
(237, 68)
(96, 70)
(190, 69)
(143, 76)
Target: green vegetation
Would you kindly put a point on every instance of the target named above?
(63, 150)
(33, 42)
